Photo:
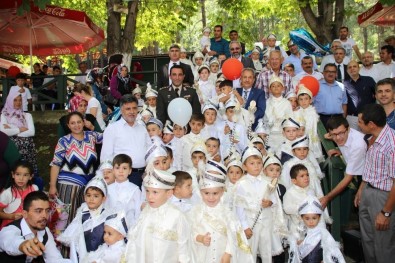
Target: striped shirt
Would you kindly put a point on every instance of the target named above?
(264, 77)
(379, 168)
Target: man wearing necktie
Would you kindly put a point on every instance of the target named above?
(176, 90)
(249, 93)
(339, 55)
(164, 79)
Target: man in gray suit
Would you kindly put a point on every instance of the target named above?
(235, 52)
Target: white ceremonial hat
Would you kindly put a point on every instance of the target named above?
(159, 179)
(207, 29)
(231, 102)
(250, 151)
(118, 222)
(256, 138)
(311, 205)
(304, 90)
(136, 90)
(107, 164)
(156, 121)
(261, 127)
(150, 92)
(211, 180)
(213, 166)
(290, 123)
(208, 105)
(198, 54)
(183, 50)
(202, 67)
(271, 36)
(168, 127)
(235, 161)
(274, 78)
(98, 182)
(145, 111)
(199, 146)
(301, 142)
(271, 159)
(290, 94)
(214, 61)
(255, 50)
(157, 149)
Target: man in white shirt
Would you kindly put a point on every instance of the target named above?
(307, 66)
(28, 238)
(348, 43)
(83, 67)
(330, 58)
(25, 92)
(386, 68)
(368, 68)
(129, 137)
(296, 57)
(353, 148)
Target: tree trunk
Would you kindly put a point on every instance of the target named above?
(113, 28)
(203, 8)
(326, 24)
(365, 39)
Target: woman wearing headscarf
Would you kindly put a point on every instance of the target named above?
(19, 126)
(121, 84)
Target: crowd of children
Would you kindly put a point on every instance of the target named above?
(214, 191)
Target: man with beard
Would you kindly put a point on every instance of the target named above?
(368, 68)
(28, 238)
(348, 43)
(129, 137)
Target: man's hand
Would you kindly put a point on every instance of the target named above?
(248, 233)
(382, 222)
(212, 53)
(32, 247)
(324, 201)
(17, 216)
(334, 152)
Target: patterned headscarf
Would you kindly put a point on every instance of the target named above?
(14, 116)
(74, 102)
(123, 79)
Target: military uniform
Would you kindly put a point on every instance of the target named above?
(167, 94)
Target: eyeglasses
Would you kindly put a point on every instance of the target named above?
(340, 134)
(236, 48)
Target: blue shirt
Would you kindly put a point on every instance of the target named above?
(391, 120)
(221, 47)
(297, 62)
(330, 98)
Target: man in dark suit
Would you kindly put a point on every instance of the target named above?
(164, 72)
(234, 36)
(176, 90)
(339, 55)
(249, 93)
(235, 52)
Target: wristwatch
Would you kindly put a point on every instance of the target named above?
(386, 214)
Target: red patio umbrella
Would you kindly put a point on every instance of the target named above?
(51, 31)
(380, 15)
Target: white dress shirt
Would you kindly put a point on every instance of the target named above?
(354, 152)
(11, 238)
(386, 70)
(371, 72)
(120, 137)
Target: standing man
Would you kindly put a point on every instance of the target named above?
(218, 44)
(376, 195)
(164, 79)
(296, 57)
(249, 93)
(129, 137)
(29, 238)
(275, 60)
(386, 68)
(83, 67)
(330, 57)
(307, 70)
(385, 95)
(176, 90)
(352, 147)
(234, 36)
(342, 74)
(348, 43)
(235, 52)
(360, 92)
(331, 100)
(368, 68)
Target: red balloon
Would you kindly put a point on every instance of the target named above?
(232, 68)
(311, 83)
(13, 71)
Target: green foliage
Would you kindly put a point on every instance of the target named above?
(25, 7)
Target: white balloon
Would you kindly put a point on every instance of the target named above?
(179, 111)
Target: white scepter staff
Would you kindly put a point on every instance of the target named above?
(269, 189)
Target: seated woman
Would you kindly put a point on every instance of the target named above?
(19, 126)
(79, 104)
(121, 84)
